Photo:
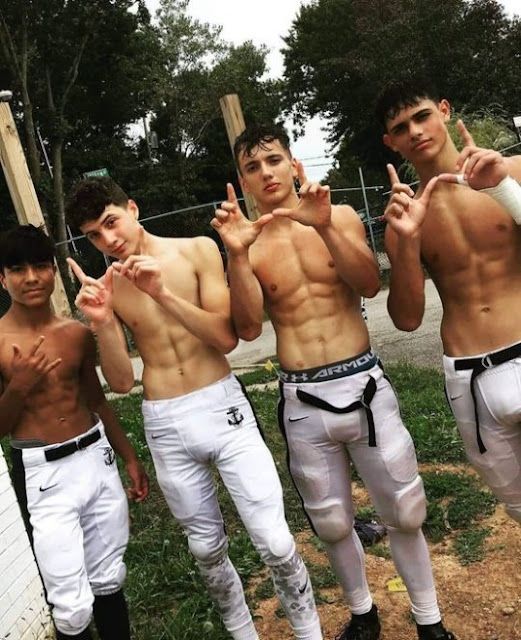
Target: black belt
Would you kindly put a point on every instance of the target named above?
(67, 449)
(363, 403)
(480, 364)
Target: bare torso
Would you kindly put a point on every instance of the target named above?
(175, 361)
(316, 315)
(57, 409)
(472, 249)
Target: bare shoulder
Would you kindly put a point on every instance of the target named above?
(346, 217)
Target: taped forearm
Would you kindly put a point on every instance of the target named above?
(508, 194)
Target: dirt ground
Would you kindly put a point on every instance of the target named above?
(481, 601)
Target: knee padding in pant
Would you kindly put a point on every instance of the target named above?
(514, 511)
(72, 623)
(331, 521)
(410, 508)
(280, 546)
(207, 551)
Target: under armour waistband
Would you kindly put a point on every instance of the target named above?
(342, 368)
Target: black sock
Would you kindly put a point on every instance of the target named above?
(84, 635)
(111, 616)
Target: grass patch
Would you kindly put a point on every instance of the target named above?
(261, 375)
(469, 545)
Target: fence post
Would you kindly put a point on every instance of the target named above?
(234, 121)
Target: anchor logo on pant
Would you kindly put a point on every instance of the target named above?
(235, 416)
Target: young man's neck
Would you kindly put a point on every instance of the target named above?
(31, 317)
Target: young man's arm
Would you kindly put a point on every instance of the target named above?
(94, 300)
(26, 372)
(405, 216)
(238, 234)
(210, 322)
(97, 403)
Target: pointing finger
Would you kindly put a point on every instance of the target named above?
(393, 176)
(36, 345)
(468, 140)
(77, 270)
(230, 193)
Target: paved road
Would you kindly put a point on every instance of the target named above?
(422, 347)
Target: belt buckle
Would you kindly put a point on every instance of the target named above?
(486, 362)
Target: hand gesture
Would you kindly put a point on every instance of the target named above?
(236, 231)
(403, 213)
(314, 207)
(143, 271)
(479, 168)
(29, 370)
(138, 489)
(94, 299)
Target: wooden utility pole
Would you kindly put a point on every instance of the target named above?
(22, 192)
(234, 121)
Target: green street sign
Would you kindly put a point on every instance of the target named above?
(97, 173)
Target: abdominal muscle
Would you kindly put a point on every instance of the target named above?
(176, 363)
(318, 325)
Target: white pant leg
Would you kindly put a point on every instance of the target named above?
(184, 438)
(320, 468)
(105, 524)
(498, 395)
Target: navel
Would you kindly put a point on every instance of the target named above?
(273, 287)
(180, 372)
(331, 264)
(485, 309)
(501, 227)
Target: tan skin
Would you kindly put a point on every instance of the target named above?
(49, 386)
(170, 293)
(306, 260)
(468, 243)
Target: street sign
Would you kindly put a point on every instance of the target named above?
(97, 173)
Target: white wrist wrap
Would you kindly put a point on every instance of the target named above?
(508, 194)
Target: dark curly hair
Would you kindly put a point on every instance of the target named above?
(405, 92)
(258, 135)
(89, 197)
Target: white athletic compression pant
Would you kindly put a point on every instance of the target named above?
(216, 426)
(79, 515)
(498, 398)
(321, 447)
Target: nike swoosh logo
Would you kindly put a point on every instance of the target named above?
(297, 419)
(162, 435)
(456, 397)
(51, 486)
(301, 590)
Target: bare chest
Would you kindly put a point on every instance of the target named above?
(287, 263)
(464, 229)
(140, 312)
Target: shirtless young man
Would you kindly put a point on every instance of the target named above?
(171, 294)
(63, 436)
(467, 238)
(309, 263)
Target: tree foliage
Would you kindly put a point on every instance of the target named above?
(340, 53)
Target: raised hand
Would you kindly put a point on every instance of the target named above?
(477, 167)
(94, 299)
(314, 207)
(236, 231)
(28, 370)
(403, 213)
(143, 271)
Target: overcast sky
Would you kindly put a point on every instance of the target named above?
(266, 22)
